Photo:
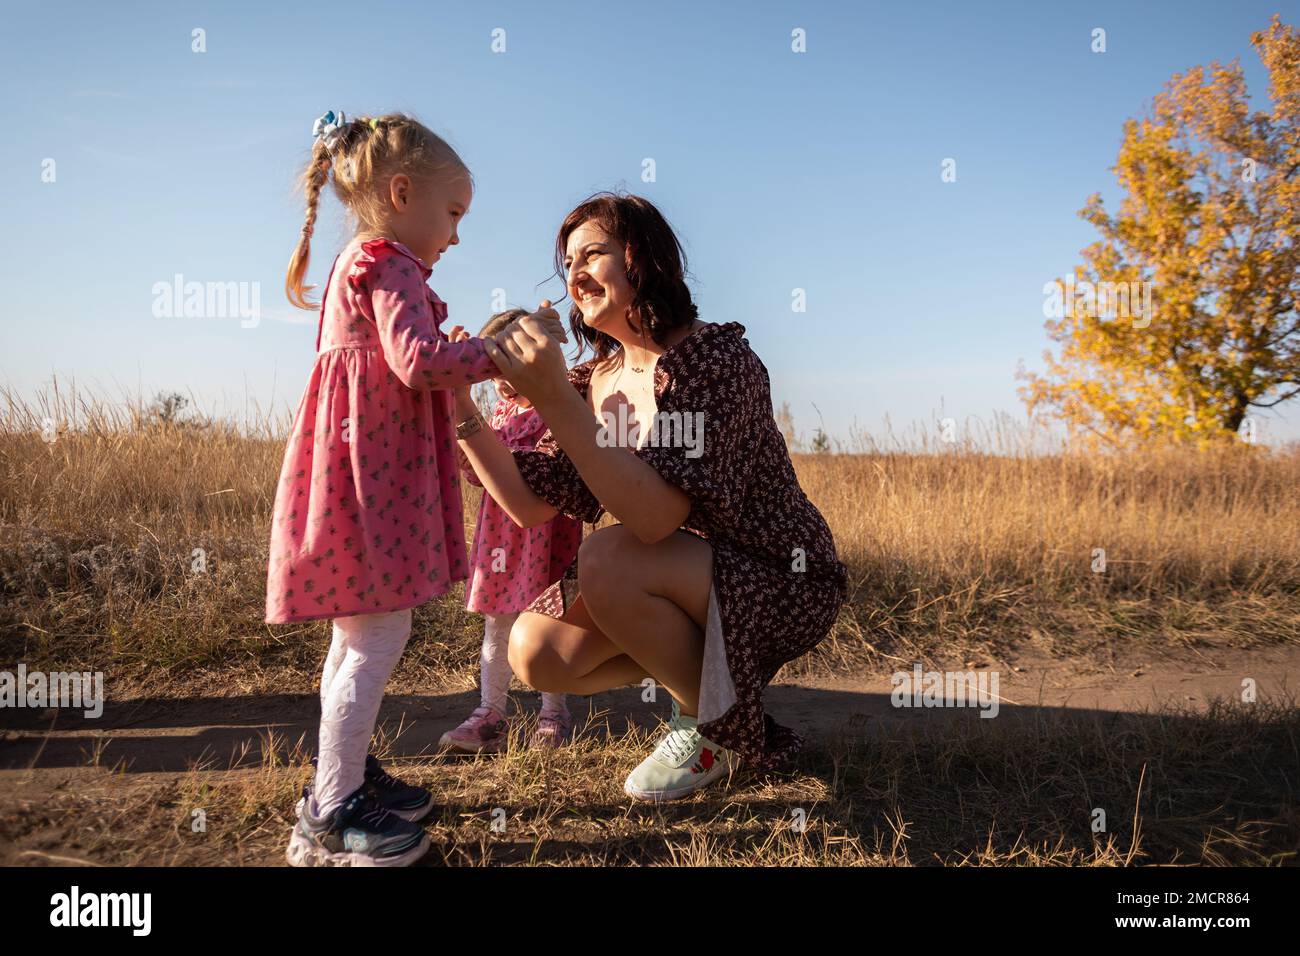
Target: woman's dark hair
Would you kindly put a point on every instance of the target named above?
(654, 261)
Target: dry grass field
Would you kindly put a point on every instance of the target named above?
(966, 555)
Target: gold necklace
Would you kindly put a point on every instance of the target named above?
(619, 377)
(622, 367)
(626, 362)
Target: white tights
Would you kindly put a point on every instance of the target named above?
(365, 649)
(494, 663)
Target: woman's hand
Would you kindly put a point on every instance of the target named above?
(527, 353)
(549, 319)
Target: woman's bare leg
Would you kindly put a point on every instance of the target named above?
(651, 601)
(569, 655)
(641, 613)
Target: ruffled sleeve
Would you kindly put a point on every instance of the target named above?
(407, 313)
(519, 428)
(706, 425)
(372, 259)
(551, 474)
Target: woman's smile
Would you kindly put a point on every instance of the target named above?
(597, 279)
(590, 302)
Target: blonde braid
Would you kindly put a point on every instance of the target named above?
(313, 182)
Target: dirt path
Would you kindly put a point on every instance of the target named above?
(165, 735)
(151, 741)
(1031, 682)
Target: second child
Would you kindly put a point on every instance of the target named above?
(509, 567)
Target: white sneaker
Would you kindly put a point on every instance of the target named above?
(682, 763)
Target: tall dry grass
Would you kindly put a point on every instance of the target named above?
(1176, 546)
(951, 548)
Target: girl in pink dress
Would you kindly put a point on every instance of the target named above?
(367, 521)
(509, 567)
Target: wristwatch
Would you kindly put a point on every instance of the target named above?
(469, 426)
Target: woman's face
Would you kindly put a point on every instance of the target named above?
(596, 278)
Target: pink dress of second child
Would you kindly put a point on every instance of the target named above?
(509, 567)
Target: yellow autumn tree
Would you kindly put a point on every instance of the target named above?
(1184, 315)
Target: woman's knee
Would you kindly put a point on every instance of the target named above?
(603, 565)
(531, 657)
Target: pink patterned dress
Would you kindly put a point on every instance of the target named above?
(510, 565)
(368, 514)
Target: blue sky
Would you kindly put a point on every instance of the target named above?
(779, 170)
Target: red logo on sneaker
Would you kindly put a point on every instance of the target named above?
(705, 761)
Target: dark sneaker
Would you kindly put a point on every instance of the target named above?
(403, 799)
(358, 833)
(406, 800)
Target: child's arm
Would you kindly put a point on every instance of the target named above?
(408, 331)
(466, 468)
(490, 457)
(414, 350)
(463, 397)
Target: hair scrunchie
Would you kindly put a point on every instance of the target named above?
(329, 127)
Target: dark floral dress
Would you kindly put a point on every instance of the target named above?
(777, 582)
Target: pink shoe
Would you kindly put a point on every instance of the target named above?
(484, 731)
(553, 729)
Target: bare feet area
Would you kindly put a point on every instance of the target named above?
(154, 780)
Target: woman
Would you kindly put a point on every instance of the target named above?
(721, 570)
